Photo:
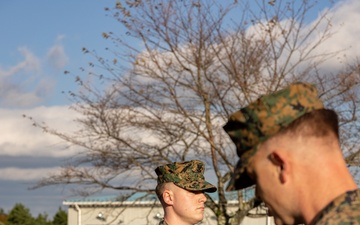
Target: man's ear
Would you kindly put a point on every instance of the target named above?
(168, 197)
(280, 161)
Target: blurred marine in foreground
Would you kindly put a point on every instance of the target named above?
(288, 145)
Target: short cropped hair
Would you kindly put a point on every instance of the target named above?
(159, 190)
(318, 123)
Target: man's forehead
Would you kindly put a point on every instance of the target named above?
(175, 189)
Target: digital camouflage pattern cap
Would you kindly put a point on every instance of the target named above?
(188, 175)
(254, 124)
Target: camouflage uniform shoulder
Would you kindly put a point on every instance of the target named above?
(344, 210)
(163, 222)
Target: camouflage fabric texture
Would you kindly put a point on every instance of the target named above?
(187, 175)
(344, 210)
(254, 124)
(163, 222)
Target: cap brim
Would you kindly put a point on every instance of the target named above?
(209, 187)
(240, 178)
(200, 186)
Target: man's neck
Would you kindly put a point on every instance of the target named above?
(326, 185)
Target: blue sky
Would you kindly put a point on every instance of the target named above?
(42, 38)
(50, 36)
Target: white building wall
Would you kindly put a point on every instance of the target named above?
(138, 215)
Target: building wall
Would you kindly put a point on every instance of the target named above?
(128, 215)
(139, 215)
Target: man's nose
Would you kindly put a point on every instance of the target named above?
(202, 197)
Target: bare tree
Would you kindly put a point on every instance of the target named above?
(181, 68)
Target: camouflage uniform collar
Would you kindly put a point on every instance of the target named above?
(345, 209)
(163, 222)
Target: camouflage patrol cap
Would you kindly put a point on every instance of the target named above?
(254, 124)
(187, 175)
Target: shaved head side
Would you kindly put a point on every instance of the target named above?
(159, 190)
(317, 123)
(317, 128)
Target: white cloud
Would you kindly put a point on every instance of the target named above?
(15, 80)
(345, 38)
(31, 63)
(26, 83)
(26, 174)
(20, 138)
(16, 97)
(60, 37)
(57, 57)
(344, 16)
(18, 83)
(331, 46)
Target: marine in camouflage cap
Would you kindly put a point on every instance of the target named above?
(187, 175)
(254, 124)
